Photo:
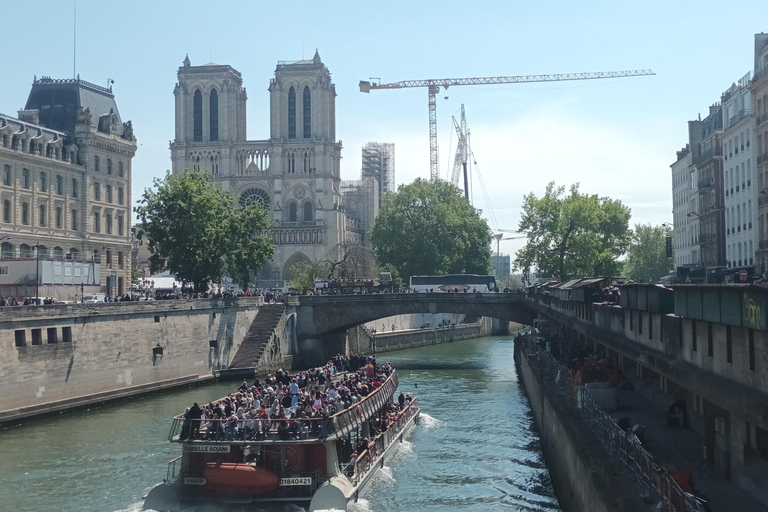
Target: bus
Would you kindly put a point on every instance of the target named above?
(453, 283)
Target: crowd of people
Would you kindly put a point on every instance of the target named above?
(298, 406)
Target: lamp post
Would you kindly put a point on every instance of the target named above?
(37, 271)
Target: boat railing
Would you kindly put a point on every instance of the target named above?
(355, 471)
(221, 430)
(343, 422)
(171, 474)
(353, 417)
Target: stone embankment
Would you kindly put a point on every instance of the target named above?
(584, 475)
(59, 357)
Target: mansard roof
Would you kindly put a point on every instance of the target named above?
(59, 101)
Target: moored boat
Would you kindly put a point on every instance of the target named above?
(317, 462)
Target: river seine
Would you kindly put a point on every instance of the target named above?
(474, 449)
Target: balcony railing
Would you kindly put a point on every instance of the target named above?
(705, 183)
(741, 114)
(707, 238)
(762, 118)
(706, 155)
(299, 224)
(761, 159)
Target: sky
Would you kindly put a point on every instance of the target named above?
(616, 137)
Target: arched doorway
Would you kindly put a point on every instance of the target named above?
(295, 258)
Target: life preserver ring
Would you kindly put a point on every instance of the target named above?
(359, 411)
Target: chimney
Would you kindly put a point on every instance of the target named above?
(30, 116)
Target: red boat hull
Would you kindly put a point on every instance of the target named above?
(239, 479)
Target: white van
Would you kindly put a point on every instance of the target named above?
(93, 299)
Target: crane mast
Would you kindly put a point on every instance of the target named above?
(461, 147)
(433, 87)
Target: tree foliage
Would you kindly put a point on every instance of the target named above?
(429, 228)
(344, 260)
(200, 233)
(573, 235)
(647, 259)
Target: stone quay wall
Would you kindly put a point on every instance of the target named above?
(585, 477)
(358, 339)
(58, 357)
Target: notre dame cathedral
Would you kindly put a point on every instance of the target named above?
(295, 174)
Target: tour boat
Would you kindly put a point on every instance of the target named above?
(223, 467)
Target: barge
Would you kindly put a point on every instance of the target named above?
(317, 463)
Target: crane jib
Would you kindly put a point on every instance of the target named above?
(434, 85)
(447, 82)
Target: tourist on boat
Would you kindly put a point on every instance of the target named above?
(350, 471)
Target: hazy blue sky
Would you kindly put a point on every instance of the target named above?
(616, 137)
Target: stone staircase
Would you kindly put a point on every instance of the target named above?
(259, 335)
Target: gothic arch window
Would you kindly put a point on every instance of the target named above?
(293, 212)
(197, 115)
(308, 211)
(214, 115)
(255, 196)
(291, 113)
(306, 163)
(58, 253)
(307, 113)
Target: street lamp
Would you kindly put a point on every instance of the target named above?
(36, 247)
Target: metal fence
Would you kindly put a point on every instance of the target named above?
(654, 482)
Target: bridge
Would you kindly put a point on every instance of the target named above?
(319, 323)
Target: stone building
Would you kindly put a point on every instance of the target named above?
(681, 190)
(295, 174)
(706, 208)
(361, 205)
(739, 174)
(66, 182)
(759, 88)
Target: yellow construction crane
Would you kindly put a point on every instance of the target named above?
(433, 87)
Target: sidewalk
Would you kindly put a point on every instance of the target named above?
(681, 448)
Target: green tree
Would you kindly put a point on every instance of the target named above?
(429, 228)
(647, 259)
(304, 273)
(200, 233)
(573, 235)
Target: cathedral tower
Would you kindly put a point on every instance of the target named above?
(302, 101)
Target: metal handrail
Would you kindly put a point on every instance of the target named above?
(376, 448)
(654, 480)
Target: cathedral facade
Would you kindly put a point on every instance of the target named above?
(295, 174)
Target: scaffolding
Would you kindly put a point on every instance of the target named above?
(379, 163)
(361, 204)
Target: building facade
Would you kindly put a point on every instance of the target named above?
(759, 89)
(361, 205)
(502, 263)
(739, 173)
(66, 182)
(706, 206)
(681, 192)
(295, 174)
